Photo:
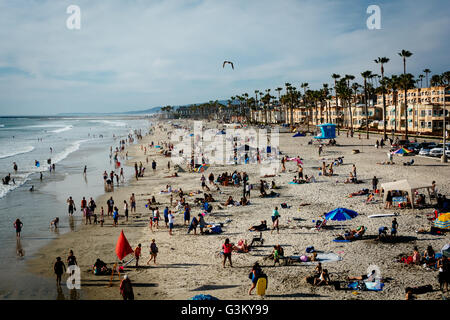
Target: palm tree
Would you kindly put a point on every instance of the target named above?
(366, 75)
(405, 54)
(382, 61)
(325, 93)
(393, 85)
(420, 80)
(427, 71)
(436, 80)
(336, 76)
(406, 83)
(291, 117)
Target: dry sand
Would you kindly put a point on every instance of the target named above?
(190, 264)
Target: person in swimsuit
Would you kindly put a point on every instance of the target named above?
(227, 249)
(71, 206)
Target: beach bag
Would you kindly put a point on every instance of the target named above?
(284, 205)
(309, 249)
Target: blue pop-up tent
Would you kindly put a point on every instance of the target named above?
(328, 131)
(298, 134)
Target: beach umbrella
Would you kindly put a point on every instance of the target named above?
(402, 151)
(443, 221)
(341, 214)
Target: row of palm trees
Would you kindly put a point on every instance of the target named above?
(313, 101)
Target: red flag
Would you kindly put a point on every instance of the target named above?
(123, 248)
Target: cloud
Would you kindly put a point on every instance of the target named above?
(154, 53)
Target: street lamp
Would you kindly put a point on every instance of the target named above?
(444, 131)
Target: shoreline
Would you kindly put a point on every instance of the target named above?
(191, 265)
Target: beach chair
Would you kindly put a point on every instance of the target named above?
(322, 224)
(257, 239)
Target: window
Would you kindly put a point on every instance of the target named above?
(429, 124)
(422, 113)
(429, 112)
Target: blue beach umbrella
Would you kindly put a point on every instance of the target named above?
(341, 214)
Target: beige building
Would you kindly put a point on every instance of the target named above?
(425, 110)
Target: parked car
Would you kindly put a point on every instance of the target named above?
(439, 151)
(424, 152)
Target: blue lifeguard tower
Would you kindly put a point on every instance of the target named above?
(327, 131)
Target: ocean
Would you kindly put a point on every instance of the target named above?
(71, 143)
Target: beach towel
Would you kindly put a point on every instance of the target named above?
(321, 257)
(370, 286)
(336, 240)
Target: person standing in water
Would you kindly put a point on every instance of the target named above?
(15, 167)
(18, 225)
(85, 171)
(71, 206)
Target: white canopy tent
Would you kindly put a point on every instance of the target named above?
(405, 185)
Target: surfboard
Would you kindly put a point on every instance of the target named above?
(382, 215)
(261, 286)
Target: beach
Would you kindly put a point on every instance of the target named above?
(189, 264)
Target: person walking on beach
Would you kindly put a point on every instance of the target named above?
(275, 219)
(133, 203)
(320, 149)
(125, 209)
(59, 269)
(254, 276)
(171, 218)
(374, 183)
(71, 206)
(126, 289)
(227, 249)
(166, 215)
(153, 252)
(18, 226)
(187, 214)
(354, 171)
(154, 165)
(137, 254)
(155, 217)
(71, 260)
(110, 205)
(102, 217)
(116, 216)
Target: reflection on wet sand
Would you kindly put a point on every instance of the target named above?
(19, 250)
(71, 223)
(60, 295)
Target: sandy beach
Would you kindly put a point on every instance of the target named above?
(191, 264)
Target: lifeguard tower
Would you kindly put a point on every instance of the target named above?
(327, 131)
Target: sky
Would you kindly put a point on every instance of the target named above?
(137, 54)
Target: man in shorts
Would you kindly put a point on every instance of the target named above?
(133, 203)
